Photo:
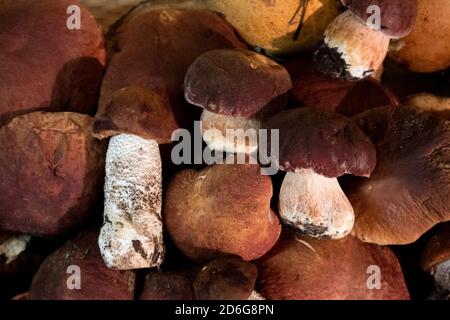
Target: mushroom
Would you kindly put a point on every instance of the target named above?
(436, 260)
(350, 49)
(50, 170)
(226, 278)
(137, 120)
(408, 193)
(426, 48)
(303, 268)
(431, 103)
(43, 64)
(75, 271)
(317, 146)
(222, 208)
(169, 285)
(232, 87)
(397, 17)
(279, 27)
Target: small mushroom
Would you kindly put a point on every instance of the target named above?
(222, 208)
(317, 146)
(436, 260)
(75, 271)
(44, 65)
(408, 193)
(397, 17)
(431, 103)
(50, 170)
(137, 121)
(303, 268)
(226, 278)
(168, 285)
(350, 49)
(233, 86)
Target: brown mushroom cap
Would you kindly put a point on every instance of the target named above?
(137, 111)
(408, 193)
(235, 82)
(170, 285)
(97, 281)
(305, 268)
(43, 64)
(437, 249)
(226, 278)
(223, 208)
(328, 143)
(431, 103)
(50, 172)
(397, 16)
(153, 48)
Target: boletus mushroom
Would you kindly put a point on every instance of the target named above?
(315, 147)
(234, 87)
(50, 169)
(75, 271)
(222, 208)
(303, 268)
(409, 191)
(44, 64)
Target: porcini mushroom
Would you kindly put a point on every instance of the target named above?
(232, 87)
(222, 208)
(436, 260)
(137, 120)
(350, 49)
(50, 169)
(43, 63)
(303, 268)
(316, 147)
(408, 193)
(75, 271)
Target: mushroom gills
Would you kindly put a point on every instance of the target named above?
(132, 234)
(315, 205)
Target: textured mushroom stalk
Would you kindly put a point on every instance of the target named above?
(132, 234)
(13, 247)
(350, 49)
(230, 134)
(441, 276)
(255, 295)
(315, 205)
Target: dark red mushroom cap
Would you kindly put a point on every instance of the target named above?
(397, 16)
(437, 249)
(235, 82)
(324, 141)
(168, 285)
(408, 193)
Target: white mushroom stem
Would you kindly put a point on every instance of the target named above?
(132, 233)
(230, 134)
(315, 205)
(255, 296)
(13, 247)
(441, 274)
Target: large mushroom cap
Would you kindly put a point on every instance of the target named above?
(235, 82)
(152, 48)
(223, 208)
(80, 257)
(43, 64)
(328, 143)
(50, 171)
(303, 268)
(409, 191)
(397, 16)
(226, 278)
(137, 111)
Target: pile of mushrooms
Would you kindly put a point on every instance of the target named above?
(352, 96)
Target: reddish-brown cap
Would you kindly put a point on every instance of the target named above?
(302, 268)
(408, 193)
(44, 64)
(137, 111)
(226, 278)
(397, 17)
(328, 143)
(50, 172)
(223, 208)
(437, 249)
(97, 282)
(168, 285)
(235, 82)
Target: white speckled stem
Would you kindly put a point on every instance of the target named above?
(442, 276)
(315, 205)
(255, 296)
(13, 247)
(132, 233)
